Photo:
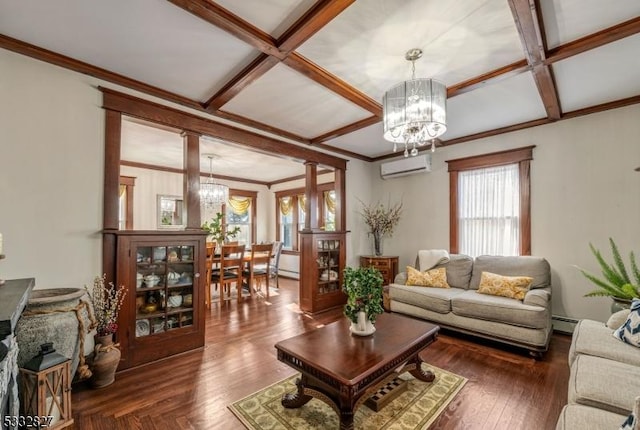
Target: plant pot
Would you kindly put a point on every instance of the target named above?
(363, 327)
(619, 304)
(105, 362)
(50, 317)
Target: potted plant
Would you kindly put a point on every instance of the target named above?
(363, 286)
(215, 229)
(615, 281)
(381, 221)
(106, 300)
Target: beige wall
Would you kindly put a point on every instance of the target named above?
(150, 183)
(584, 189)
(51, 174)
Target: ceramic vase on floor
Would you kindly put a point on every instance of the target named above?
(105, 362)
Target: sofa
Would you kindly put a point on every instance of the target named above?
(524, 323)
(604, 377)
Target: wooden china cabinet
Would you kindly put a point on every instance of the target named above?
(322, 260)
(163, 310)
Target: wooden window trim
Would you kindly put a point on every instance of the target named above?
(129, 182)
(521, 156)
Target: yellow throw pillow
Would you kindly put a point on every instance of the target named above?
(514, 287)
(436, 278)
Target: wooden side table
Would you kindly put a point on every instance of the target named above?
(388, 267)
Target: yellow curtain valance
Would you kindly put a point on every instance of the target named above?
(330, 201)
(123, 189)
(302, 200)
(239, 206)
(285, 205)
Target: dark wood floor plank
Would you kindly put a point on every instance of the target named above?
(506, 390)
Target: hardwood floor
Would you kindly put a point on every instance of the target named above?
(506, 389)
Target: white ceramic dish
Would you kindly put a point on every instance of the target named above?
(174, 301)
(142, 328)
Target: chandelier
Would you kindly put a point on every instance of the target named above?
(414, 111)
(212, 194)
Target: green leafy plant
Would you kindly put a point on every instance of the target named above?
(363, 286)
(615, 281)
(215, 229)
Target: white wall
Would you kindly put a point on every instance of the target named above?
(584, 189)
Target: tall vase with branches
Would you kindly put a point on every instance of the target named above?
(381, 221)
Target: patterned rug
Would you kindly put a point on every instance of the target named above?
(416, 408)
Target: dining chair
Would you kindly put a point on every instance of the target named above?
(258, 267)
(211, 248)
(231, 264)
(274, 264)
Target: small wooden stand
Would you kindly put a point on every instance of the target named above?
(386, 394)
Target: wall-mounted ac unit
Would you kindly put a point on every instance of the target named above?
(406, 166)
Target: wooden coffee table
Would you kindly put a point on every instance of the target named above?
(343, 370)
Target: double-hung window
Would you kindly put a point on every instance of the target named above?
(490, 204)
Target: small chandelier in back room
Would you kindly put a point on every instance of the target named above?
(415, 111)
(212, 194)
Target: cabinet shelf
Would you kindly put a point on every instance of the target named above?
(156, 288)
(179, 285)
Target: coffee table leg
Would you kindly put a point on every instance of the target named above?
(415, 368)
(346, 420)
(297, 399)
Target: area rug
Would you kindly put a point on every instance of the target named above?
(416, 408)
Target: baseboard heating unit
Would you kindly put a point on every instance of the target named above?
(564, 325)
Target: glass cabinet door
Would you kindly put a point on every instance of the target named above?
(328, 266)
(164, 288)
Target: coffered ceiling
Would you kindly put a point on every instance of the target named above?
(313, 72)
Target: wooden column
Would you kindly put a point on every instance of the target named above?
(339, 179)
(311, 195)
(191, 179)
(112, 146)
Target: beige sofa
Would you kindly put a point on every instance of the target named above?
(525, 323)
(604, 380)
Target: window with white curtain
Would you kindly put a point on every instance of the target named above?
(490, 203)
(489, 211)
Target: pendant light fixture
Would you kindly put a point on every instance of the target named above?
(212, 194)
(415, 111)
